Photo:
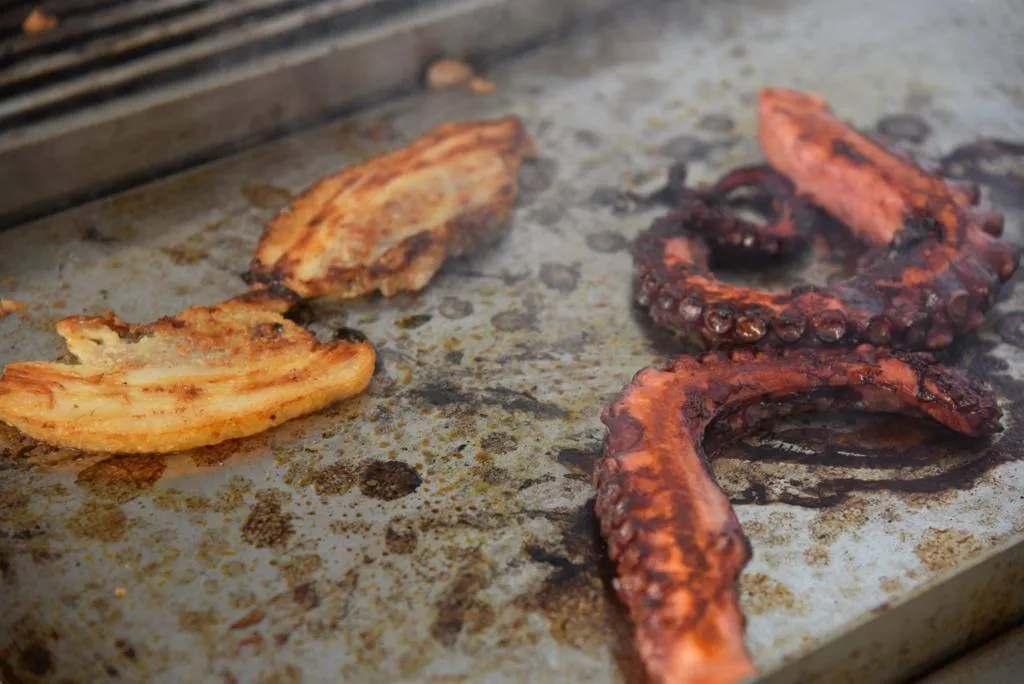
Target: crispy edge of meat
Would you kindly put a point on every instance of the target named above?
(390, 223)
(201, 377)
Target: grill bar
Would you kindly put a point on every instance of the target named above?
(100, 109)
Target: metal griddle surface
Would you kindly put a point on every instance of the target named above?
(438, 528)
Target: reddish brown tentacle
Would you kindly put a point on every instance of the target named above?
(676, 541)
(898, 297)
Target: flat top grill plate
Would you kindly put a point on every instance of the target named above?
(438, 528)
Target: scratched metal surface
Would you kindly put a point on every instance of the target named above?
(438, 528)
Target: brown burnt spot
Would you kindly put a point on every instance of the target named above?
(389, 480)
(267, 197)
(686, 148)
(890, 585)
(183, 255)
(460, 610)
(37, 660)
(817, 557)
(861, 453)
(215, 455)
(454, 308)
(267, 525)
(400, 539)
(253, 617)
(943, 549)
(122, 478)
(449, 396)
(412, 322)
(513, 321)
(849, 517)
(904, 128)
(100, 521)
(499, 443)
(299, 571)
(577, 597)
(560, 277)
(579, 461)
(606, 242)
(761, 594)
(336, 478)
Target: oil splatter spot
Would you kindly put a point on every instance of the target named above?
(905, 127)
(103, 522)
(606, 242)
(499, 443)
(37, 660)
(580, 461)
(511, 321)
(536, 176)
(413, 322)
(448, 395)
(267, 525)
(761, 594)
(686, 148)
(351, 335)
(389, 480)
(454, 308)
(267, 197)
(400, 541)
(461, 610)
(335, 479)
(560, 277)
(943, 549)
(716, 123)
(122, 478)
(181, 255)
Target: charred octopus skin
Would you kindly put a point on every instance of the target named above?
(670, 530)
(935, 270)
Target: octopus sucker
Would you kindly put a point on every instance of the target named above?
(676, 541)
(934, 263)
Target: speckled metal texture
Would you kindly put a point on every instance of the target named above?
(440, 527)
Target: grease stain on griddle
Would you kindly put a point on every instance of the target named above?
(513, 321)
(37, 659)
(762, 594)
(942, 549)
(716, 123)
(579, 461)
(399, 539)
(499, 443)
(389, 480)
(560, 277)
(412, 322)
(904, 128)
(461, 610)
(269, 197)
(686, 148)
(536, 176)
(100, 521)
(267, 526)
(184, 255)
(454, 308)
(577, 597)
(122, 478)
(443, 394)
(335, 479)
(1011, 328)
(995, 163)
(606, 242)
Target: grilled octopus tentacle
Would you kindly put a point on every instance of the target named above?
(935, 270)
(675, 539)
(714, 211)
(916, 294)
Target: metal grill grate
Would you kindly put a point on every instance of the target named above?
(119, 91)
